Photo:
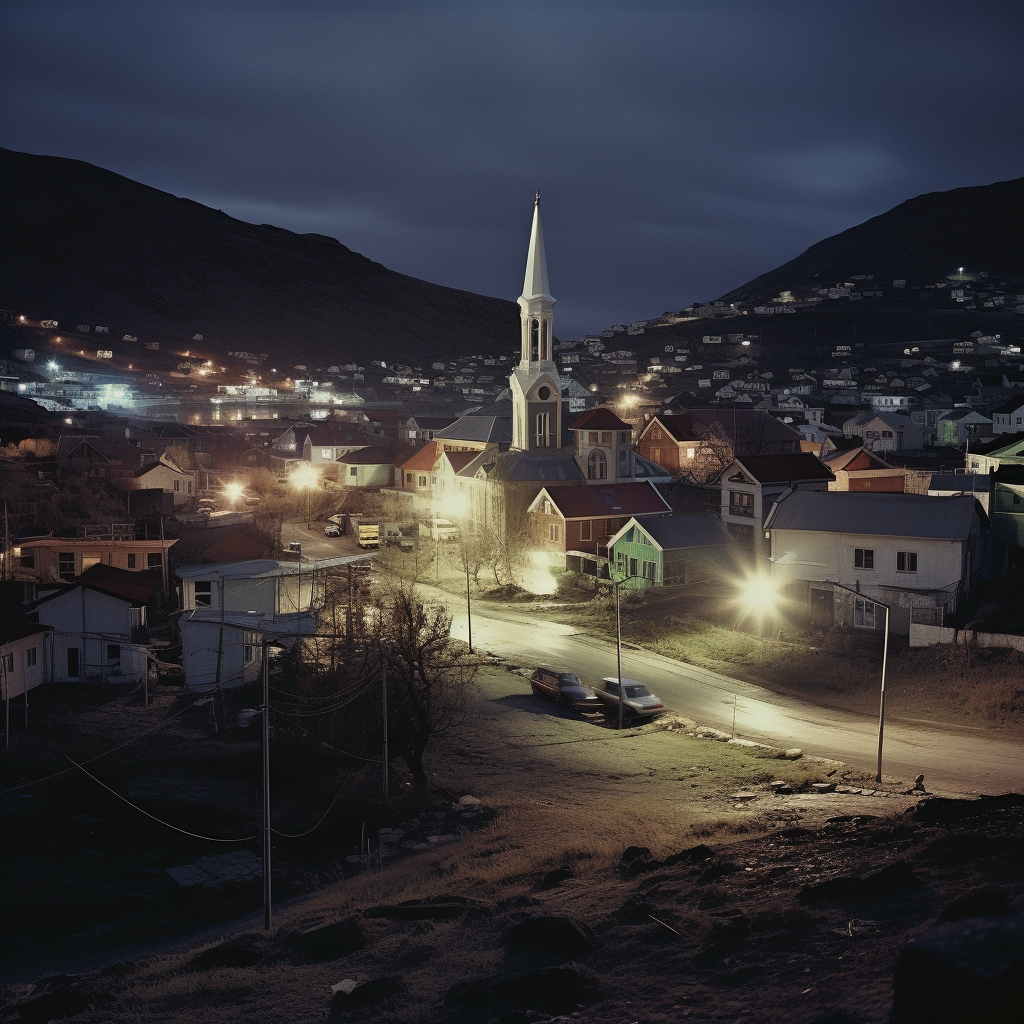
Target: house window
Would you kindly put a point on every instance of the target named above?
(690, 452)
(593, 436)
(597, 465)
(553, 531)
(650, 571)
(655, 455)
(606, 437)
(249, 641)
(634, 567)
(325, 454)
(177, 485)
(623, 437)
(204, 594)
(408, 478)
(28, 561)
(863, 558)
(189, 486)
(422, 481)
(886, 433)
(656, 434)
(7, 662)
(131, 561)
(352, 471)
(547, 507)
(906, 561)
(154, 560)
(741, 503)
(864, 613)
(66, 565)
(620, 563)
(586, 530)
(30, 658)
(113, 654)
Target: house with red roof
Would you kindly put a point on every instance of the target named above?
(572, 524)
(752, 484)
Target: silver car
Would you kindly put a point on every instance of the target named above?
(638, 703)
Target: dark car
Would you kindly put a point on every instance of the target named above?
(565, 687)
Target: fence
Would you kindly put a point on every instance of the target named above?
(926, 636)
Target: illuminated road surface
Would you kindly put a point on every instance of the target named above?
(961, 761)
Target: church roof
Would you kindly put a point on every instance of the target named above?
(534, 467)
(536, 284)
(490, 423)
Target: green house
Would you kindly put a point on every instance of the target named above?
(656, 551)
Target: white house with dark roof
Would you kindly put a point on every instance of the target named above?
(920, 555)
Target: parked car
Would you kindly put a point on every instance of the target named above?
(332, 530)
(565, 687)
(639, 702)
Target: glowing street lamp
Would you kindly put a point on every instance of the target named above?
(233, 491)
(304, 478)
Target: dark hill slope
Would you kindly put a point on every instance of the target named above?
(80, 244)
(922, 240)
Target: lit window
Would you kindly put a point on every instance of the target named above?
(325, 453)
(741, 503)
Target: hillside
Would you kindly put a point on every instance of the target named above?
(922, 240)
(83, 245)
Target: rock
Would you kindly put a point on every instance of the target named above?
(554, 936)
(371, 993)
(556, 877)
(695, 855)
(469, 801)
(326, 942)
(962, 971)
(346, 985)
(822, 787)
(240, 951)
(843, 789)
(707, 733)
(444, 908)
(551, 989)
(793, 754)
(980, 903)
(743, 796)
(390, 836)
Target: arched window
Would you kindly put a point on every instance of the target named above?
(597, 465)
(544, 340)
(534, 340)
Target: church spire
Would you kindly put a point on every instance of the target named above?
(536, 284)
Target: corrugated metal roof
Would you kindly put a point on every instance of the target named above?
(874, 515)
(695, 530)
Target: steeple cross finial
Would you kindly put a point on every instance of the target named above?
(536, 199)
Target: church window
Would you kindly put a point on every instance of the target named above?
(597, 465)
(544, 340)
(593, 437)
(542, 432)
(534, 340)
(606, 437)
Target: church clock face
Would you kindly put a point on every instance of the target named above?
(544, 393)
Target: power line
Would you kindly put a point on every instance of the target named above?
(160, 821)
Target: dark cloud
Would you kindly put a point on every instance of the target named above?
(682, 148)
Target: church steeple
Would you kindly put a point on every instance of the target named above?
(536, 391)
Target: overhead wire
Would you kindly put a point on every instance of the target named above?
(160, 821)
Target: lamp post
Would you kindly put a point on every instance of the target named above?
(305, 478)
(615, 584)
(760, 595)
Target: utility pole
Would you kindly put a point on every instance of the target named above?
(618, 653)
(881, 698)
(384, 693)
(266, 786)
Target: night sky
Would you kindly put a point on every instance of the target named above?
(680, 148)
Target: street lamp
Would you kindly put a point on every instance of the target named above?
(760, 594)
(233, 491)
(304, 477)
(618, 637)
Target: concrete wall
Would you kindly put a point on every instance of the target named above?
(927, 636)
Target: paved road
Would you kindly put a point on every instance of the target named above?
(955, 761)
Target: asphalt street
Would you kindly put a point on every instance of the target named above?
(952, 761)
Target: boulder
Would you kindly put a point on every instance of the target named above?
(326, 942)
(240, 951)
(969, 970)
(554, 990)
(553, 936)
(370, 993)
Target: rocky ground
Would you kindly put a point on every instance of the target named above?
(640, 877)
